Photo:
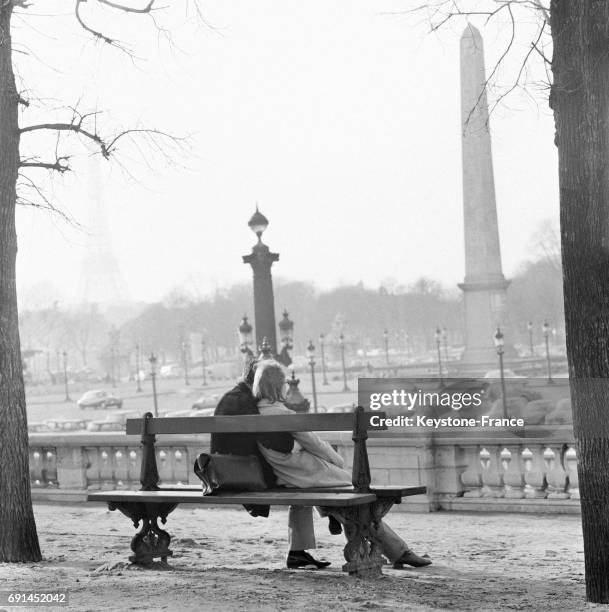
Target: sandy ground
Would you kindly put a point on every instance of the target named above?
(226, 560)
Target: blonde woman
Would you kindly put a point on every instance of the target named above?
(301, 460)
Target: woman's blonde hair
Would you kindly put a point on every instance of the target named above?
(269, 381)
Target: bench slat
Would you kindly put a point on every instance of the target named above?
(379, 491)
(248, 424)
(271, 498)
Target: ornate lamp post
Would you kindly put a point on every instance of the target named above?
(152, 361)
(499, 342)
(546, 334)
(323, 360)
(439, 344)
(294, 398)
(286, 330)
(245, 337)
(341, 344)
(311, 356)
(386, 340)
(261, 259)
(65, 376)
(203, 361)
(112, 366)
(185, 348)
(530, 330)
(137, 367)
(264, 350)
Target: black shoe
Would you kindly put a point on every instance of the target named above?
(334, 526)
(300, 559)
(410, 558)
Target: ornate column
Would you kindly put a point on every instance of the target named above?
(261, 259)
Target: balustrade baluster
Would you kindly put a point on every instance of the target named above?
(472, 476)
(534, 475)
(513, 476)
(36, 477)
(570, 464)
(121, 468)
(556, 475)
(133, 468)
(164, 460)
(492, 473)
(106, 468)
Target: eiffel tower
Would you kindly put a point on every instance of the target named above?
(101, 281)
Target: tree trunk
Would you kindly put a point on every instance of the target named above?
(580, 100)
(18, 537)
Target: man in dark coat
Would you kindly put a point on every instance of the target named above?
(240, 401)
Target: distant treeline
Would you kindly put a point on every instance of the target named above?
(410, 314)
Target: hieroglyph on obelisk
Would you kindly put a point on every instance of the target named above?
(484, 287)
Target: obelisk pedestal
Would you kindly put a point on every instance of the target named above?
(484, 287)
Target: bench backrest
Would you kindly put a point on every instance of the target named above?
(358, 422)
(250, 423)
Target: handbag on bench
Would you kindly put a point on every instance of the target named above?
(229, 473)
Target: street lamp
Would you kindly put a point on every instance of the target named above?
(203, 361)
(185, 347)
(546, 334)
(261, 260)
(264, 350)
(65, 376)
(499, 342)
(341, 344)
(152, 360)
(137, 367)
(530, 330)
(311, 356)
(445, 343)
(245, 337)
(386, 340)
(439, 344)
(323, 359)
(286, 330)
(112, 362)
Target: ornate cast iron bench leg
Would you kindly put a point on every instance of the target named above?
(150, 542)
(362, 550)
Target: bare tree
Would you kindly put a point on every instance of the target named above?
(18, 537)
(578, 81)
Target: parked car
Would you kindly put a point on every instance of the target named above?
(99, 399)
(342, 408)
(206, 401)
(506, 374)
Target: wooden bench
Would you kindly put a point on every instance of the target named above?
(357, 507)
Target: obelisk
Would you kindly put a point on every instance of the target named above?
(484, 287)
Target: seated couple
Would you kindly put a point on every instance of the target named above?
(296, 460)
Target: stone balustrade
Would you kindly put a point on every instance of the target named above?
(534, 470)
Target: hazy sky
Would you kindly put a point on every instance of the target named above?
(340, 118)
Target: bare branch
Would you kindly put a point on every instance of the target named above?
(146, 9)
(59, 165)
(42, 202)
(522, 68)
(85, 27)
(440, 12)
